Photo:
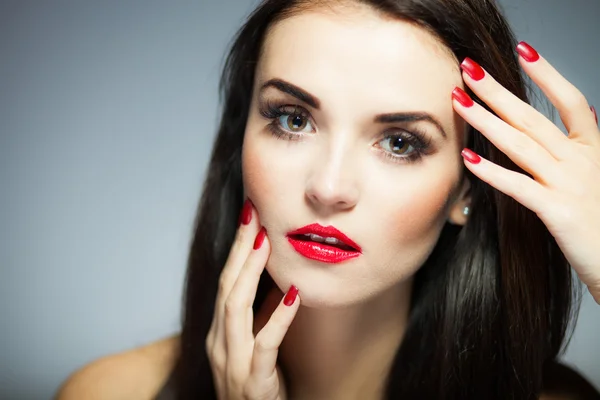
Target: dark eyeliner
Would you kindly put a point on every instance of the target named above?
(280, 133)
(416, 138)
(273, 111)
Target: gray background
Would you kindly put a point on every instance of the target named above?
(107, 114)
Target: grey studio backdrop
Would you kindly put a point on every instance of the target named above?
(107, 116)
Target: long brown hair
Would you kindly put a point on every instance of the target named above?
(491, 306)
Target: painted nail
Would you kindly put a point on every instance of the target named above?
(472, 69)
(462, 97)
(260, 238)
(595, 114)
(246, 214)
(291, 295)
(527, 52)
(471, 156)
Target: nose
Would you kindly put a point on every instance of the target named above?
(332, 183)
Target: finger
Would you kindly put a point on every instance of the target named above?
(519, 147)
(514, 111)
(238, 306)
(269, 339)
(249, 226)
(571, 104)
(516, 185)
(240, 250)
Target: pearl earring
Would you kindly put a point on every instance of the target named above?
(466, 211)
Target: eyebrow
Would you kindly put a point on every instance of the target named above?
(410, 117)
(315, 103)
(293, 90)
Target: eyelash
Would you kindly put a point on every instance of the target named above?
(416, 138)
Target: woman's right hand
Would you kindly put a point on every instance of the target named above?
(244, 366)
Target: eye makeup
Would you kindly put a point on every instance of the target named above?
(286, 118)
(275, 111)
(417, 140)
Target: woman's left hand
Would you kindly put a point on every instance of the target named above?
(564, 190)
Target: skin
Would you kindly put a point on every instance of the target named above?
(359, 65)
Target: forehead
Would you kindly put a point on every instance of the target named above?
(358, 51)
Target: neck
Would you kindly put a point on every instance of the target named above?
(345, 353)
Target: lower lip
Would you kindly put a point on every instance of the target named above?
(322, 251)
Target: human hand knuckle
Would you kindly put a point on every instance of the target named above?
(232, 306)
(235, 382)
(527, 122)
(279, 322)
(575, 99)
(217, 362)
(209, 342)
(521, 147)
(220, 360)
(262, 390)
(225, 281)
(514, 186)
(264, 343)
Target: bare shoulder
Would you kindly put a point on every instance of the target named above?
(137, 373)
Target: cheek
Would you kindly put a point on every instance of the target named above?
(411, 223)
(263, 176)
(418, 211)
(253, 168)
(423, 212)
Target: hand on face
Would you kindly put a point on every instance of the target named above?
(244, 364)
(564, 190)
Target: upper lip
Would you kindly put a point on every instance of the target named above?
(326, 231)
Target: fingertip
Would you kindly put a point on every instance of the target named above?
(260, 238)
(246, 213)
(248, 225)
(291, 296)
(462, 97)
(527, 52)
(470, 156)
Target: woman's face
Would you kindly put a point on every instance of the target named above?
(351, 125)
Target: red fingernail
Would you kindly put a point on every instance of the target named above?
(291, 295)
(470, 156)
(462, 97)
(472, 69)
(595, 115)
(260, 238)
(527, 52)
(246, 214)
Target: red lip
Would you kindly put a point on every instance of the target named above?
(323, 252)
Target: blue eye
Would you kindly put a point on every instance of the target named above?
(295, 122)
(397, 145)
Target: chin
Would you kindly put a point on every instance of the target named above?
(319, 286)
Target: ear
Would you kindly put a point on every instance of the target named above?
(457, 214)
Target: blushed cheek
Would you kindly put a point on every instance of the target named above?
(263, 177)
(253, 169)
(418, 220)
